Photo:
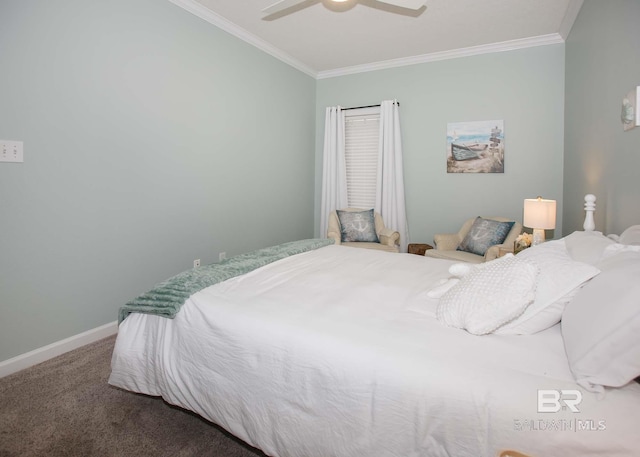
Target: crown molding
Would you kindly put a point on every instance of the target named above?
(213, 18)
(543, 40)
(569, 18)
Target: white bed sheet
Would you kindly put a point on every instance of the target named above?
(337, 352)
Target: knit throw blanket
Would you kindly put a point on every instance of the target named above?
(166, 298)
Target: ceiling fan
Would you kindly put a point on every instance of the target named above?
(284, 4)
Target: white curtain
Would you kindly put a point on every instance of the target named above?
(390, 201)
(334, 170)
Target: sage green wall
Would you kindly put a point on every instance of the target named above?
(602, 66)
(151, 138)
(525, 88)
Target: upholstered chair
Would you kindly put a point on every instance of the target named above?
(452, 246)
(388, 239)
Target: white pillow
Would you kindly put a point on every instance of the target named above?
(630, 236)
(587, 247)
(601, 326)
(559, 280)
(490, 295)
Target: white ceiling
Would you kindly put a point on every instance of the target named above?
(326, 39)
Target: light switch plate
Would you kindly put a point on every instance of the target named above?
(11, 151)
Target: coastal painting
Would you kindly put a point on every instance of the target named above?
(475, 147)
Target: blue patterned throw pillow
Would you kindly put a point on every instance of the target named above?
(357, 226)
(483, 234)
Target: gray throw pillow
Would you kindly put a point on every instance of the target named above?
(485, 233)
(357, 226)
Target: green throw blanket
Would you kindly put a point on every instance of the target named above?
(167, 298)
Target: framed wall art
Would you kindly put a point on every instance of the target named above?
(630, 114)
(475, 147)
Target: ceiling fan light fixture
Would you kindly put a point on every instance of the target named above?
(282, 5)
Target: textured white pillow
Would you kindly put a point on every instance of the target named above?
(601, 326)
(490, 295)
(559, 280)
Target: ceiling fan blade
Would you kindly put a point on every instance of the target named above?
(281, 5)
(409, 4)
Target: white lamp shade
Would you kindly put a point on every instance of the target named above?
(539, 213)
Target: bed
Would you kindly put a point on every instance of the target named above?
(336, 351)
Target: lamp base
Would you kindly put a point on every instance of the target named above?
(538, 237)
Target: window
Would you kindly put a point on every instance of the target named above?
(362, 132)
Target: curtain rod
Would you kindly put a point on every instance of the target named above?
(362, 107)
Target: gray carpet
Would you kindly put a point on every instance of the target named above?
(64, 407)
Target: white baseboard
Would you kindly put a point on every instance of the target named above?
(52, 350)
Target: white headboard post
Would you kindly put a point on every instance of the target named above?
(589, 207)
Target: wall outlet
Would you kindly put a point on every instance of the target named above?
(222, 256)
(11, 151)
(196, 263)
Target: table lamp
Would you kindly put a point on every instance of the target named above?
(540, 215)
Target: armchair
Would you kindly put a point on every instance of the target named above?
(389, 239)
(446, 244)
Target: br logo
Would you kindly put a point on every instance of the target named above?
(552, 401)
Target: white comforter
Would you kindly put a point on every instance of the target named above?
(337, 352)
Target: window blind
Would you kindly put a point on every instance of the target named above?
(361, 153)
